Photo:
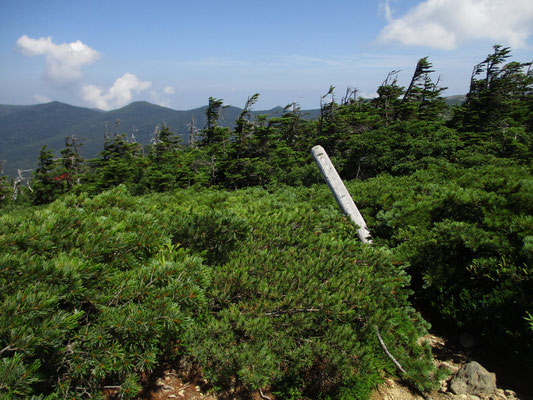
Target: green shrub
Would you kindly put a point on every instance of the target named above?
(466, 234)
(298, 300)
(101, 292)
(94, 293)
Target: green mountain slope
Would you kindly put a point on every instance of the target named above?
(25, 129)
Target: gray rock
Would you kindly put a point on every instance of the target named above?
(473, 379)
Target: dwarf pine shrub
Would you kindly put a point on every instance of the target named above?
(261, 290)
(467, 236)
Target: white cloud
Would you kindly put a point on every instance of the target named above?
(367, 94)
(162, 98)
(42, 99)
(158, 99)
(118, 95)
(385, 10)
(443, 24)
(63, 61)
(169, 90)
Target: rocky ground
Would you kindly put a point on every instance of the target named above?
(468, 381)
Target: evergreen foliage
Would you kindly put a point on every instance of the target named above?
(4, 186)
(466, 234)
(98, 292)
(95, 295)
(45, 187)
(266, 286)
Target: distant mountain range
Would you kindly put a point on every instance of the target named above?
(24, 130)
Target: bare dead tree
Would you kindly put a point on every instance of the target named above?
(349, 96)
(106, 131)
(19, 180)
(193, 131)
(117, 125)
(322, 105)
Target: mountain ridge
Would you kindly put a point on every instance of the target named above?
(25, 129)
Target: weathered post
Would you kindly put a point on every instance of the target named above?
(340, 192)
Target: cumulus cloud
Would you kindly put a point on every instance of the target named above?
(162, 98)
(169, 90)
(63, 61)
(443, 24)
(118, 95)
(42, 99)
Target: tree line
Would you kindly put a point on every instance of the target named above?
(402, 130)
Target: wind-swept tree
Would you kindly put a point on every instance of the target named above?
(244, 126)
(422, 98)
(213, 132)
(215, 139)
(499, 106)
(388, 101)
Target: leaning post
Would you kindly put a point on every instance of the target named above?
(340, 192)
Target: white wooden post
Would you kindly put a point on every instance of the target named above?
(340, 192)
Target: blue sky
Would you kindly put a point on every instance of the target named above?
(106, 54)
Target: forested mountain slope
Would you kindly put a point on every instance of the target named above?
(25, 129)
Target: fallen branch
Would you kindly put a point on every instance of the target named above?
(263, 396)
(398, 365)
(293, 311)
(8, 348)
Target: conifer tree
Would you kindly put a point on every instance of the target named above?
(244, 127)
(215, 140)
(47, 185)
(388, 101)
(120, 162)
(72, 159)
(163, 157)
(330, 127)
(72, 162)
(213, 133)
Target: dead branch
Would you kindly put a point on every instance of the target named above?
(396, 363)
(292, 311)
(263, 396)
